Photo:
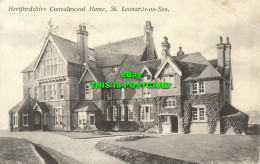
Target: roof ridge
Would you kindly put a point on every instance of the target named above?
(117, 41)
(63, 38)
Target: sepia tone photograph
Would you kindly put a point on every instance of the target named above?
(120, 81)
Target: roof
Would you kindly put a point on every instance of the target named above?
(43, 106)
(134, 46)
(25, 105)
(85, 106)
(229, 110)
(195, 67)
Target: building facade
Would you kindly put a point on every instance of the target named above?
(58, 95)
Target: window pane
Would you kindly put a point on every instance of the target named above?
(194, 114)
(202, 113)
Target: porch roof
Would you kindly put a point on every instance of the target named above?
(25, 105)
(85, 106)
(42, 106)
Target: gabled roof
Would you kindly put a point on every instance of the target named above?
(42, 106)
(26, 105)
(96, 73)
(134, 46)
(85, 106)
(229, 110)
(67, 48)
(172, 64)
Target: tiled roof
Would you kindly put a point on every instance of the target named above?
(195, 66)
(85, 106)
(108, 58)
(134, 46)
(30, 67)
(229, 110)
(69, 49)
(214, 62)
(25, 105)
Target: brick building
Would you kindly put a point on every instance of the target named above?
(58, 95)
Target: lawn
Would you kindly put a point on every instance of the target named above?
(97, 134)
(199, 148)
(14, 150)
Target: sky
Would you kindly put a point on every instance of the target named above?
(195, 25)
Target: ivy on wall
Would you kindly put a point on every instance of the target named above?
(238, 122)
(211, 101)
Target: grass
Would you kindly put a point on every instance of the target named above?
(134, 156)
(131, 138)
(195, 148)
(96, 134)
(14, 150)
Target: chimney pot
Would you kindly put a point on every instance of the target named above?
(180, 52)
(221, 40)
(227, 40)
(80, 27)
(84, 27)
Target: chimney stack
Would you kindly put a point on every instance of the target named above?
(179, 53)
(224, 58)
(148, 31)
(165, 48)
(82, 45)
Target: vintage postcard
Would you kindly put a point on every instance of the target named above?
(129, 81)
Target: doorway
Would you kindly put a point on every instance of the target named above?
(37, 120)
(174, 123)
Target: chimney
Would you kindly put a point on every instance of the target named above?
(165, 48)
(148, 31)
(82, 45)
(227, 59)
(221, 55)
(179, 53)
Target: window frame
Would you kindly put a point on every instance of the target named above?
(115, 113)
(27, 119)
(82, 119)
(130, 113)
(144, 115)
(198, 87)
(167, 78)
(108, 114)
(170, 99)
(90, 90)
(15, 119)
(197, 110)
(122, 113)
(92, 115)
(58, 116)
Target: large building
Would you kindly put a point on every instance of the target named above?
(58, 95)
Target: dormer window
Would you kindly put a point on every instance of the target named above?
(114, 69)
(146, 78)
(169, 79)
(88, 91)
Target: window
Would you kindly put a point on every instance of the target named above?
(164, 119)
(169, 79)
(114, 113)
(170, 103)
(53, 91)
(82, 118)
(108, 94)
(92, 118)
(198, 87)
(122, 93)
(198, 114)
(25, 119)
(146, 78)
(58, 113)
(88, 91)
(108, 114)
(146, 113)
(146, 92)
(45, 92)
(29, 76)
(36, 93)
(29, 92)
(114, 69)
(61, 87)
(15, 119)
(44, 118)
(122, 113)
(130, 113)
